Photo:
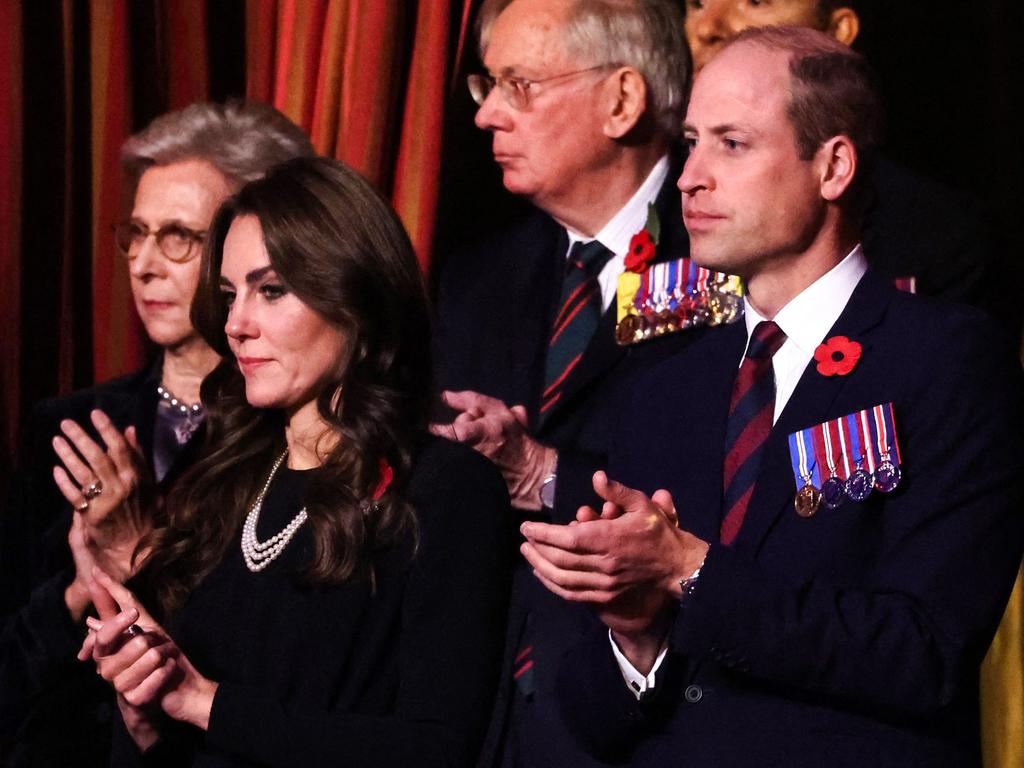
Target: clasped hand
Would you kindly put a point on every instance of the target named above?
(147, 669)
(500, 433)
(624, 561)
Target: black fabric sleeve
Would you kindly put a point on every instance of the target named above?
(37, 643)
(452, 625)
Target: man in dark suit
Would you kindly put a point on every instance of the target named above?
(924, 236)
(750, 615)
(585, 135)
(584, 101)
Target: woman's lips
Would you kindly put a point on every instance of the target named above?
(251, 363)
(157, 305)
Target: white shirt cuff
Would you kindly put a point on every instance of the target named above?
(636, 682)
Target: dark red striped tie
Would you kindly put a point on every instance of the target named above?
(579, 313)
(750, 420)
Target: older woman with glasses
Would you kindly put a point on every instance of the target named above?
(140, 429)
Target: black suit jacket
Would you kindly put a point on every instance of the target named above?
(496, 303)
(853, 637)
(53, 710)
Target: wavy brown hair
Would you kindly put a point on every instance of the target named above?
(341, 249)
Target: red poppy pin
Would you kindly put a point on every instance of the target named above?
(387, 474)
(643, 243)
(837, 356)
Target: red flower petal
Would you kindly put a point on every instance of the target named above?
(387, 474)
(641, 251)
(837, 356)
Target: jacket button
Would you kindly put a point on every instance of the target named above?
(693, 693)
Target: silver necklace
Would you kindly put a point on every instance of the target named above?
(259, 554)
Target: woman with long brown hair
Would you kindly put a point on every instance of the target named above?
(329, 584)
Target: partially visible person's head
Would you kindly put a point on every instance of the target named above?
(779, 124)
(312, 294)
(578, 80)
(241, 139)
(182, 166)
(710, 24)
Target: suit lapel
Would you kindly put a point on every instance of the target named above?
(712, 373)
(810, 404)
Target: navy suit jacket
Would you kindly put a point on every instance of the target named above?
(853, 637)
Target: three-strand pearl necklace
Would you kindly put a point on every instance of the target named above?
(259, 554)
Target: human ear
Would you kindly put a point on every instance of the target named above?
(844, 25)
(837, 162)
(625, 95)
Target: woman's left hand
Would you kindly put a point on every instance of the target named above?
(110, 485)
(147, 667)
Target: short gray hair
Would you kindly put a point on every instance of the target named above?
(241, 139)
(646, 35)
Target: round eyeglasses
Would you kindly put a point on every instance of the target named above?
(517, 91)
(175, 241)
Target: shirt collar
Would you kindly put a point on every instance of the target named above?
(631, 218)
(811, 313)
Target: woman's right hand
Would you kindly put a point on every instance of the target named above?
(137, 663)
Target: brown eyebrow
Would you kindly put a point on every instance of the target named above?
(718, 130)
(258, 274)
(251, 277)
(167, 223)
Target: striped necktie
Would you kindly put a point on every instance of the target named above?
(579, 312)
(750, 421)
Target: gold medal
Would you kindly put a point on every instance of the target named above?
(807, 501)
(626, 331)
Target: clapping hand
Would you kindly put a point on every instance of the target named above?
(500, 433)
(113, 496)
(142, 663)
(624, 561)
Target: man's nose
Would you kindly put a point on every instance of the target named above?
(696, 174)
(493, 112)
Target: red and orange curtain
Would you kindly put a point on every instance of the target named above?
(367, 80)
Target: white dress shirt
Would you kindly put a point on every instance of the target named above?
(616, 234)
(805, 320)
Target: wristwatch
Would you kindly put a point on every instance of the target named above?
(547, 491)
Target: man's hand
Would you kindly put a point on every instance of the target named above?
(500, 433)
(626, 561)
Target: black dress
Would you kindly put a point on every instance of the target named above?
(398, 674)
